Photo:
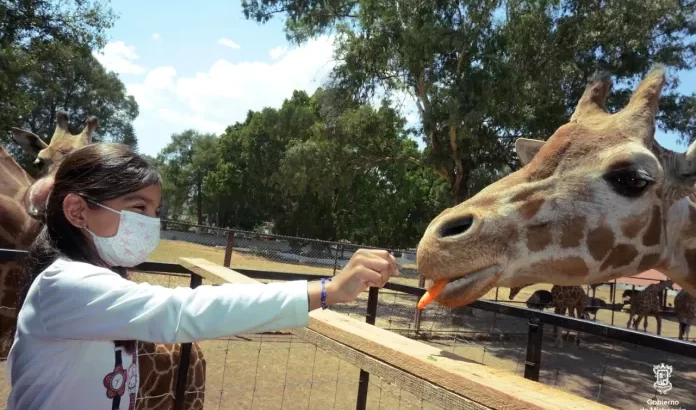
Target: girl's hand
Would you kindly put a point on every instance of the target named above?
(367, 268)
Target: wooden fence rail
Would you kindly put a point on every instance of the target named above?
(443, 378)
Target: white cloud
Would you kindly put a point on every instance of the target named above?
(211, 100)
(151, 93)
(277, 52)
(118, 57)
(228, 43)
(156, 37)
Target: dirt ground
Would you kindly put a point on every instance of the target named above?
(274, 371)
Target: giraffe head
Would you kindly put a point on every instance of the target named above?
(62, 143)
(600, 199)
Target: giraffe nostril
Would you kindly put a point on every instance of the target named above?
(456, 226)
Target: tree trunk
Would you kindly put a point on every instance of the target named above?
(199, 204)
(459, 189)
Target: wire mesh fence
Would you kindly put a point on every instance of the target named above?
(614, 373)
(278, 370)
(259, 251)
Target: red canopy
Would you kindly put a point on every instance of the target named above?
(646, 278)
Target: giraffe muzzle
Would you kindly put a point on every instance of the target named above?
(463, 290)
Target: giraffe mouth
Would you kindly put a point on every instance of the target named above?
(465, 289)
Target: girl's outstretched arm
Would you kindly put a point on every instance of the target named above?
(76, 300)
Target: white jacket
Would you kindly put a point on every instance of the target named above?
(63, 356)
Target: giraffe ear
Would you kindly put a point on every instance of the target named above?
(527, 148)
(685, 167)
(30, 142)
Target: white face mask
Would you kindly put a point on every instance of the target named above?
(136, 238)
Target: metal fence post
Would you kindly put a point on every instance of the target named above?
(184, 360)
(532, 363)
(370, 318)
(228, 248)
(417, 320)
(339, 247)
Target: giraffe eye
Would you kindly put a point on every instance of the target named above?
(630, 183)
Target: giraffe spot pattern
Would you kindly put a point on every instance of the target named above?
(531, 208)
(538, 237)
(572, 266)
(599, 242)
(648, 261)
(522, 195)
(621, 255)
(652, 234)
(572, 232)
(690, 255)
(509, 235)
(632, 225)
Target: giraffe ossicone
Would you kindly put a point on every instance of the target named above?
(599, 200)
(20, 207)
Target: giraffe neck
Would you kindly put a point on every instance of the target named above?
(17, 228)
(679, 255)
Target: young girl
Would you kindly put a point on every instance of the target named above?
(76, 312)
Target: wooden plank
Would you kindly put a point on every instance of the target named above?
(422, 364)
(421, 388)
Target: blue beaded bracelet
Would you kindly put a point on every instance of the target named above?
(323, 292)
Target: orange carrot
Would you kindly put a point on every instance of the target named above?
(432, 293)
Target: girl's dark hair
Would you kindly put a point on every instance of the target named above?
(100, 172)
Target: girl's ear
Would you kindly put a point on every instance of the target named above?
(75, 210)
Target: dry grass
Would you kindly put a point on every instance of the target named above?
(171, 251)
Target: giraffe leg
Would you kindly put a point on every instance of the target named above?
(686, 328)
(581, 311)
(559, 336)
(658, 318)
(571, 313)
(557, 332)
(628, 324)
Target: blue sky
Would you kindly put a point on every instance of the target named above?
(205, 66)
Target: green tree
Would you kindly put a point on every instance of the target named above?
(46, 63)
(326, 168)
(184, 164)
(251, 152)
(484, 73)
(71, 79)
(356, 177)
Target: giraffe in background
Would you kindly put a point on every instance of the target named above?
(570, 298)
(599, 200)
(685, 308)
(20, 201)
(646, 303)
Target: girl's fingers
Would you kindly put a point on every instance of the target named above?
(389, 261)
(372, 278)
(373, 262)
